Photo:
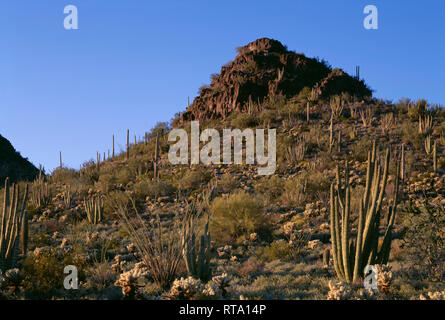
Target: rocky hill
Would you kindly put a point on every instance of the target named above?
(13, 165)
(265, 68)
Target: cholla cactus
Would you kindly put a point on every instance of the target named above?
(129, 282)
(384, 278)
(212, 291)
(222, 281)
(438, 295)
(193, 289)
(368, 294)
(186, 289)
(11, 280)
(339, 291)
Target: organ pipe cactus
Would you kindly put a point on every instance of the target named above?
(196, 253)
(94, 208)
(13, 212)
(352, 255)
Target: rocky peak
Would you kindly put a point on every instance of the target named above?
(262, 69)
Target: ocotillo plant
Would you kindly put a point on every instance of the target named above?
(351, 256)
(11, 222)
(94, 207)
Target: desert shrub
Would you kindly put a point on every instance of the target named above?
(277, 250)
(116, 196)
(270, 186)
(64, 175)
(243, 121)
(227, 183)
(251, 268)
(100, 276)
(295, 191)
(310, 186)
(153, 189)
(410, 135)
(190, 180)
(361, 148)
(43, 271)
(418, 108)
(425, 239)
(89, 172)
(123, 176)
(106, 182)
(266, 117)
(236, 217)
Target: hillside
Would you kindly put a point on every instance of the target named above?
(13, 165)
(233, 234)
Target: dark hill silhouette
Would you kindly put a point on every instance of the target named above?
(13, 165)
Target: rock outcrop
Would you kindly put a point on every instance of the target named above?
(263, 69)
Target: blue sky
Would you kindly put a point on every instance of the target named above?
(133, 63)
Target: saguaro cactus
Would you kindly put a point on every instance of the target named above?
(331, 134)
(402, 163)
(156, 158)
(112, 154)
(350, 257)
(128, 144)
(435, 156)
(11, 222)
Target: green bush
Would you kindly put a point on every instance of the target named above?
(270, 187)
(243, 121)
(43, 272)
(236, 216)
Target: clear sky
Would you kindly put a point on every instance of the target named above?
(132, 63)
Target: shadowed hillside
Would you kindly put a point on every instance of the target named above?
(13, 165)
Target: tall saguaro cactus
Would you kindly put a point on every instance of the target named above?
(13, 212)
(352, 255)
(156, 158)
(435, 156)
(128, 144)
